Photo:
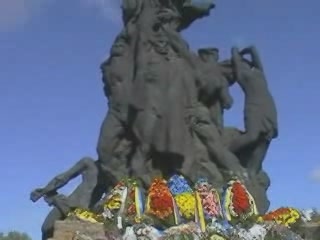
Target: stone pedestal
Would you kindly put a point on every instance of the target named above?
(78, 230)
(310, 231)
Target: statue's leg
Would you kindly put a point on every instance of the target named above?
(144, 130)
(122, 154)
(216, 115)
(203, 167)
(62, 179)
(81, 196)
(258, 187)
(111, 132)
(97, 202)
(140, 168)
(253, 129)
(244, 140)
(255, 158)
(48, 224)
(225, 158)
(60, 202)
(228, 134)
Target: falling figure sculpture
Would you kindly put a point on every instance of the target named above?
(84, 196)
(95, 183)
(260, 115)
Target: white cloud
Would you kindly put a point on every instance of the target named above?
(109, 8)
(315, 174)
(15, 13)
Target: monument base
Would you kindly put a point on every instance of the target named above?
(310, 231)
(78, 230)
(81, 230)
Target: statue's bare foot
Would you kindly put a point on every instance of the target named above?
(61, 202)
(37, 194)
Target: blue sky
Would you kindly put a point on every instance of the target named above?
(52, 102)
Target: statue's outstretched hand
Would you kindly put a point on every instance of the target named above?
(255, 57)
(37, 194)
(247, 50)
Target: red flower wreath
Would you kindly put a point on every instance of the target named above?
(240, 199)
(276, 214)
(160, 199)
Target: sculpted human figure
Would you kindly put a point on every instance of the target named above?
(95, 183)
(200, 120)
(251, 153)
(164, 87)
(260, 115)
(211, 82)
(117, 74)
(87, 193)
(215, 94)
(215, 82)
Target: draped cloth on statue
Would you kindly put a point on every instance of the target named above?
(166, 88)
(164, 92)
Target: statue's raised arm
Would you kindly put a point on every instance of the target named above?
(236, 60)
(260, 113)
(255, 58)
